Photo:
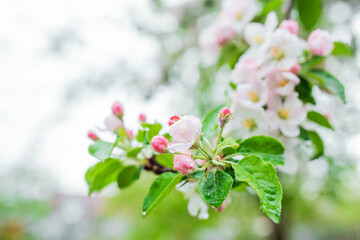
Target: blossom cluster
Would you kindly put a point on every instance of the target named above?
(265, 76)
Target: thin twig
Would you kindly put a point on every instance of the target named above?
(288, 9)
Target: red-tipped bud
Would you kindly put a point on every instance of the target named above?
(130, 133)
(295, 68)
(92, 135)
(117, 109)
(224, 116)
(142, 117)
(173, 119)
(159, 143)
(184, 164)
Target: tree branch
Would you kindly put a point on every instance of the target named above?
(288, 9)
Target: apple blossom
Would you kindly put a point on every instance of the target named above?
(283, 83)
(245, 70)
(113, 123)
(173, 119)
(291, 25)
(92, 135)
(256, 33)
(184, 164)
(286, 115)
(117, 109)
(159, 143)
(320, 43)
(185, 132)
(253, 94)
(295, 68)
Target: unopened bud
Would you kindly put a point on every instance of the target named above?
(159, 143)
(224, 116)
(117, 109)
(173, 119)
(142, 117)
(92, 135)
(130, 133)
(184, 164)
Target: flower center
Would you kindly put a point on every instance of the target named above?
(257, 38)
(254, 97)
(283, 82)
(238, 16)
(284, 113)
(277, 53)
(250, 124)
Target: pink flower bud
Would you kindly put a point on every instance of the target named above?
(224, 116)
(142, 117)
(159, 143)
(320, 43)
(222, 207)
(291, 25)
(130, 133)
(117, 109)
(113, 123)
(173, 119)
(295, 68)
(184, 164)
(92, 135)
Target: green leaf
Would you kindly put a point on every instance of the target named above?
(216, 187)
(229, 55)
(153, 130)
(166, 159)
(127, 176)
(309, 12)
(210, 121)
(141, 136)
(304, 88)
(261, 176)
(197, 175)
(313, 62)
(268, 148)
(270, 5)
(160, 188)
(102, 174)
(341, 48)
(327, 82)
(227, 143)
(317, 143)
(101, 150)
(133, 152)
(319, 119)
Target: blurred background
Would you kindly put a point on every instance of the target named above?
(63, 63)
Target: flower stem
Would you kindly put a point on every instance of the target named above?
(203, 152)
(219, 137)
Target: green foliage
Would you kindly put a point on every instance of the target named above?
(304, 89)
(159, 189)
(102, 174)
(268, 148)
(229, 55)
(269, 6)
(309, 12)
(227, 143)
(319, 119)
(216, 187)
(312, 62)
(141, 136)
(151, 130)
(128, 175)
(210, 121)
(328, 82)
(133, 152)
(261, 176)
(101, 150)
(166, 160)
(316, 141)
(341, 48)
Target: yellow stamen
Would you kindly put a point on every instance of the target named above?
(284, 113)
(238, 16)
(277, 53)
(250, 124)
(283, 82)
(257, 38)
(254, 96)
